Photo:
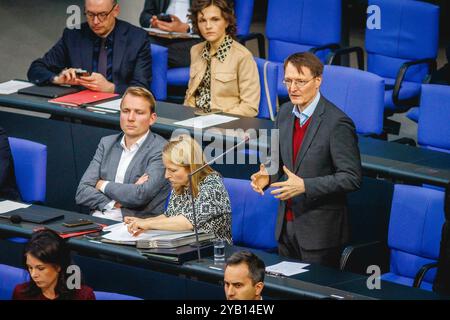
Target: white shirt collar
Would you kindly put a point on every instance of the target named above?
(136, 145)
(309, 110)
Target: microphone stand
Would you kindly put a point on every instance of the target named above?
(197, 242)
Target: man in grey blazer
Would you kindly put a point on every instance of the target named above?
(319, 162)
(126, 175)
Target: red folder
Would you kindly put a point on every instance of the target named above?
(83, 97)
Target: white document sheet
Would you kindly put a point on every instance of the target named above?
(119, 232)
(7, 206)
(205, 121)
(110, 105)
(287, 268)
(13, 86)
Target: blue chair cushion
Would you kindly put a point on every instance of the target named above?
(408, 90)
(392, 277)
(10, 277)
(413, 114)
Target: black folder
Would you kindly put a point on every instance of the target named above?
(49, 91)
(177, 255)
(36, 214)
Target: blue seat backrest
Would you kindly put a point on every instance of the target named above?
(358, 93)
(253, 216)
(269, 93)
(159, 71)
(297, 25)
(10, 277)
(243, 10)
(434, 121)
(30, 168)
(417, 217)
(409, 30)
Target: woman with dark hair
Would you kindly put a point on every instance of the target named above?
(223, 73)
(47, 259)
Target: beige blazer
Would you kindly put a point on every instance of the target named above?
(234, 83)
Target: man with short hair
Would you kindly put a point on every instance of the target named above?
(244, 276)
(126, 175)
(115, 53)
(319, 163)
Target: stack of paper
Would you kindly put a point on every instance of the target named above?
(286, 268)
(152, 238)
(205, 121)
(8, 206)
(13, 86)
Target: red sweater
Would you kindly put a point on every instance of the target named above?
(84, 293)
(297, 140)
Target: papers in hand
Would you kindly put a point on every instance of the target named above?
(286, 268)
(8, 206)
(13, 86)
(205, 121)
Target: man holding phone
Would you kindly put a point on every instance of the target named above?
(114, 53)
(170, 16)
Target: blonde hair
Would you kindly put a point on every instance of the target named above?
(185, 152)
(143, 93)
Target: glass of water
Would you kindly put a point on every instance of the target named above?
(219, 251)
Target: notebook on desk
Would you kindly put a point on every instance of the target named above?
(83, 97)
(49, 91)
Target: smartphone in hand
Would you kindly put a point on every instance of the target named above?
(164, 17)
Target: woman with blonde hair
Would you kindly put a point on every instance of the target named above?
(181, 156)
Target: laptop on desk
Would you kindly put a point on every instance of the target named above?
(35, 214)
(49, 91)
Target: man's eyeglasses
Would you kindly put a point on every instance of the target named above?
(100, 16)
(296, 83)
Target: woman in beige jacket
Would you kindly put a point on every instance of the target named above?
(223, 73)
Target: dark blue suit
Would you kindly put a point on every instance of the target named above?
(8, 189)
(131, 56)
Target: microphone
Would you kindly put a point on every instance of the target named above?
(197, 242)
(15, 218)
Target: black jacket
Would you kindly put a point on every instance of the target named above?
(8, 187)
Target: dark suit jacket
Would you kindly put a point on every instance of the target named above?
(8, 188)
(329, 162)
(131, 56)
(153, 8)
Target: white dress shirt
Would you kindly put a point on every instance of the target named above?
(109, 212)
(179, 8)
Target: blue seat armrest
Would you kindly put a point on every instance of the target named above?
(346, 51)
(420, 275)
(243, 38)
(356, 258)
(401, 75)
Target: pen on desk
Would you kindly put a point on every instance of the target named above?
(275, 274)
(95, 241)
(215, 268)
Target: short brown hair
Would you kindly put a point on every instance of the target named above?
(143, 93)
(305, 59)
(226, 9)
